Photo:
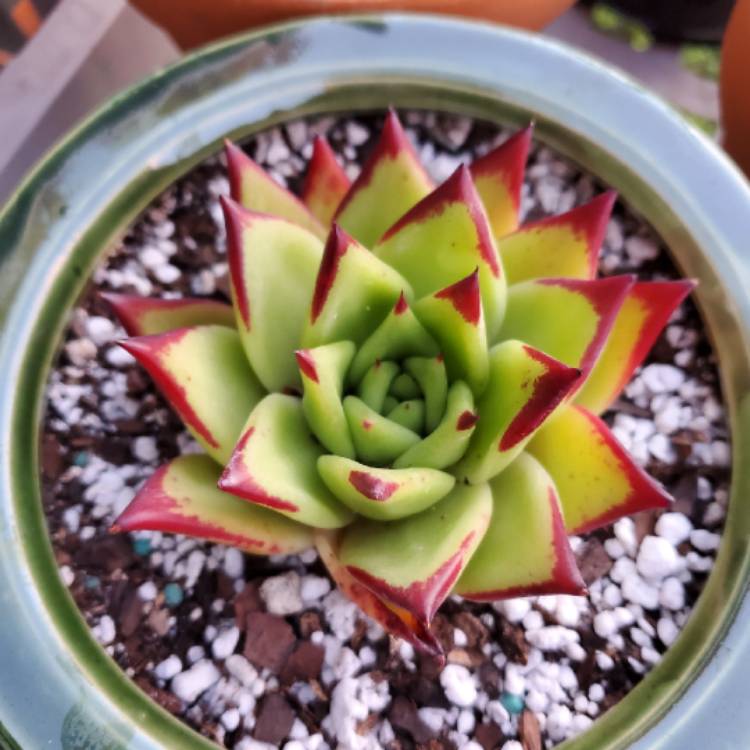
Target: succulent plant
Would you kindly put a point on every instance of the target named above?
(406, 380)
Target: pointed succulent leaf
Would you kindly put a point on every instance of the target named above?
(447, 443)
(525, 508)
(498, 177)
(143, 316)
(414, 563)
(389, 404)
(326, 183)
(524, 388)
(383, 494)
(454, 317)
(273, 264)
(253, 188)
(374, 386)
(275, 465)
(323, 371)
(562, 246)
(182, 498)
(432, 379)
(409, 414)
(399, 335)
(444, 238)
(643, 315)
(395, 620)
(377, 440)
(187, 364)
(405, 387)
(392, 180)
(569, 319)
(596, 479)
(354, 291)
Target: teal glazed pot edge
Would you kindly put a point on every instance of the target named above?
(58, 688)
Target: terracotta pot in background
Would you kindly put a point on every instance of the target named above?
(735, 91)
(195, 22)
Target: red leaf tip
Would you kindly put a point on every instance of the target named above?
(337, 244)
(306, 364)
(465, 296)
(401, 305)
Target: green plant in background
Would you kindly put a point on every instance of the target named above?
(406, 380)
(612, 21)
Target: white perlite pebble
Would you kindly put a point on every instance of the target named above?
(144, 449)
(514, 609)
(512, 745)
(672, 594)
(100, 330)
(67, 575)
(167, 273)
(313, 588)
(636, 590)
(667, 631)
(458, 685)
(281, 594)
(657, 558)
(641, 249)
(605, 624)
(625, 532)
(190, 684)
(104, 631)
(168, 668)
(705, 541)
(230, 719)
(80, 351)
(234, 562)
(341, 614)
(660, 378)
(147, 591)
(241, 669)
(225, 643)
(674, 527)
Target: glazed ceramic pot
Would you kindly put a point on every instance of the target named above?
(58, 688)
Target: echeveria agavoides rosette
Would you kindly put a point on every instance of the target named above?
(406, 379)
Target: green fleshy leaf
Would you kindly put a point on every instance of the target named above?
(409, 414)
(182, 498)
(525, 508)
(448, 442)
(377, 440)
(256, 190)
(395, 620)
(454, 317)
(397, 336)
(273, 265)
(569, 319)
(323, 371)
(275, 465)
(596, 478)
(354, 291)
(383, 494)
(389, 404)
(391, 182)
(374, 386)
(413, 563)
(444, 238)
(405, 387)
(187, 364)
(143, 316)
(432, 379)
(524, 388)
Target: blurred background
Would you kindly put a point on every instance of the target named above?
(60, 59)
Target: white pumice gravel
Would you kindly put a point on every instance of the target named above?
(672, 420)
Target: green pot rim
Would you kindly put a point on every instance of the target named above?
(58, 688)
